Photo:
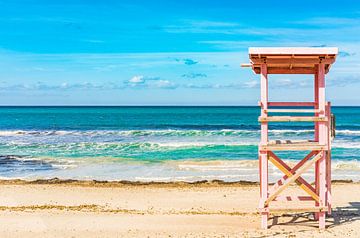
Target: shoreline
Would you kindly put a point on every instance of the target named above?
(188, 170)
(120, 183)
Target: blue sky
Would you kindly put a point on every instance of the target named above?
(167, 52)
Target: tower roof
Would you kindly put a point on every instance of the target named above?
(291, 60)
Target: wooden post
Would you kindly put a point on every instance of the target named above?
(316, 133)
(323, 134)
(263, 155)
(328, 160)
(316, 101)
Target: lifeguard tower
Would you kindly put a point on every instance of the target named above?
(317, 150)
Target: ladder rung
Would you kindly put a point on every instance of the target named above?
(291, 118)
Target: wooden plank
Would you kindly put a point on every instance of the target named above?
(292, 142)
(290, 104)
(293, 110)
(292, 178)
(292, 60)
(297, 210)
(281, 165)
(287, 70)
(245, 65)
(291, 118)
(287, 198)
(291, 147)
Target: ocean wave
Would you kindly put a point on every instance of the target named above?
(129, 145)
(175, 170)
(346, 144)
(169, 132)
(192, 170)
(35, 162)
(250, 165)
(43, 133)
(216, 165)
(192, 178)
(352, 165)
(144, 151)
(129, 132)
(348, 132)
(290, 132)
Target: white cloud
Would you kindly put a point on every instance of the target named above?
(138, 79)
(41, 86)
(201, 27)
(164, 84)
(284, 82)
(329, 21)
(252, 84)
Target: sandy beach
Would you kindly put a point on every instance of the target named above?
(55, 208)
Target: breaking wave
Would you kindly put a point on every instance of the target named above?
(170, 132)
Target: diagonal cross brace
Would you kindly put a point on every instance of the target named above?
(281, 165)
(293, 177)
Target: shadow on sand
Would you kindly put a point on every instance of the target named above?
(339, 216)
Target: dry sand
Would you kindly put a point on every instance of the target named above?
(92, 209)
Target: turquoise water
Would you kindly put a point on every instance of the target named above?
(154, 143)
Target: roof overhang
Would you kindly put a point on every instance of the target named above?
(292, 60)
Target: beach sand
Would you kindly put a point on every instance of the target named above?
(54, 208)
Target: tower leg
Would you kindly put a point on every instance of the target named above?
(263, 155)
(264, 188)
(264, 220)
(316, 133)
(322, 189)
(317, 188)
(323, 139)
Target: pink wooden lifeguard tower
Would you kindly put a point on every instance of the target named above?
(317, 150)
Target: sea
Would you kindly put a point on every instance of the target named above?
(161, 144)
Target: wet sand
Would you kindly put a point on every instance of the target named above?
(57, 208)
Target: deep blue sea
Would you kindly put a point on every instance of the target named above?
(155, 143)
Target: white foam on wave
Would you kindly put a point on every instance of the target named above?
(202, 144)
(132, 145)
(181, 170)
(348, 132)
(33, 133)
(215, 165)
(192, 178)
(350, 165)
(168, 132)
(243, 165)
(12, 133)
(290, 131)
(346, 144)
(165, 131)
